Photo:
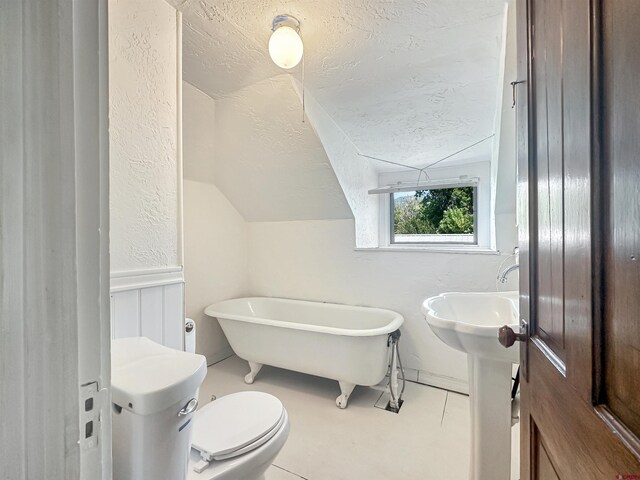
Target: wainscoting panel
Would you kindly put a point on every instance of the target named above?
(152, 313)
(149, 304)
(125, 314)
(173, 316)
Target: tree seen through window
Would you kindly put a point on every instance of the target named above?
(443, 211)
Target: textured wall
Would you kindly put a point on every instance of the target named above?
(143, 134)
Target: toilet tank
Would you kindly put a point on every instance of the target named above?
(154, 396)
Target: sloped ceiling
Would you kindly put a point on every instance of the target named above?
(269, 164)
(409, 80)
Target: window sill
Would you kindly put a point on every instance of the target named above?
(470, 250)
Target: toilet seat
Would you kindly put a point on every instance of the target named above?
(234, 425)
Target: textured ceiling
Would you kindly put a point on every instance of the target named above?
(408, 80)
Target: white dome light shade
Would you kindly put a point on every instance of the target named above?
(285, 47)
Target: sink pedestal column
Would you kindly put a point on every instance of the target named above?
(490, 398)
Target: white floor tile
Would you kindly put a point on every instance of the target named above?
(427, 440)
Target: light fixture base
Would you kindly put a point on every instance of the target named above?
(285, 20)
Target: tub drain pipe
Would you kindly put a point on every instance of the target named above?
(396, 361)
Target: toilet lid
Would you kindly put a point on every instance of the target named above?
(235, 424)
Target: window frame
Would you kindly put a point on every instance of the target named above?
(479, 170)
(391, 220)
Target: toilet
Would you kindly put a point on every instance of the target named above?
(159, 435)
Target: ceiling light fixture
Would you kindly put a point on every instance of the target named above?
(285, 45)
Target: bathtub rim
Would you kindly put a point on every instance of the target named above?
(394, 324)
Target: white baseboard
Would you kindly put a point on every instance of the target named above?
(447, 383)
(411, 374)
(219, 356)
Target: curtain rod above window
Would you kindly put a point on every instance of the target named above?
(462, 181)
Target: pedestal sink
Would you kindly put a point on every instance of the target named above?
(469, 322)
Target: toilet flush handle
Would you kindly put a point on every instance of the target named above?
(189, 408)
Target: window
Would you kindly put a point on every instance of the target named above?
(450, 210)
(434, 216)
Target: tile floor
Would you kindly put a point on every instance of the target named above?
(427, 440)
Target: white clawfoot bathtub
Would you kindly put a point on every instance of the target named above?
(340, 342)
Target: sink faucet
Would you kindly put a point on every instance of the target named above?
(502, 278)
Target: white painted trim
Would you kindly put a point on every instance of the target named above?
(468, 251)
(423, 377)
(91, 106)
(179, 139)
(105, 461)
(439, 381)
(145, 271)
(220, 356)
(136, 279)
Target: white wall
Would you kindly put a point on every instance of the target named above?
(215, 234)
(145, 79)
(143, 135)
(315, 260)
(198, 125)
(216, 261)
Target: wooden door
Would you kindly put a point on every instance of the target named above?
(579, 185)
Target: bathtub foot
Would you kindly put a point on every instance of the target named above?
(251, 376)
(346, 389)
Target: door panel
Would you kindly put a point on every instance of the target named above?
(578, 442)
(546, 471)
(579, 157)
(577, 119)
(622, 240)
(548, 93)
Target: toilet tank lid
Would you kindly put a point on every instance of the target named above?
(147, 377)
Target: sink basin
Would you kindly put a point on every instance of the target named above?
(469, 322)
